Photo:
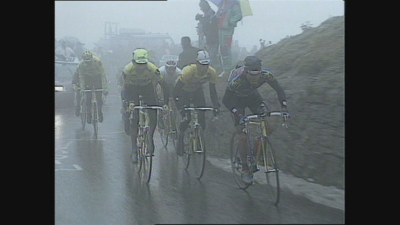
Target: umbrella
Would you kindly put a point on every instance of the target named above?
(244, 6)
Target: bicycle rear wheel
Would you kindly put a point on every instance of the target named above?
(271, 170)
(145, 159)
(236, 162)
(83, 113)
(199, 153)
(95, 120)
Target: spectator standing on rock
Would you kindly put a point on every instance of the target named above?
(227, 16)
(210, 30)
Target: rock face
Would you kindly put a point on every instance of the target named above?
(310, 68)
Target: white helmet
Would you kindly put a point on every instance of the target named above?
(203, 57)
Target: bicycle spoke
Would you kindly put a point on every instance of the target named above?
(271, 171)
(236, 162)
(199, 153)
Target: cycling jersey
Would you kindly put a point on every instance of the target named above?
(241, 86)
(170, 79)
(133, 77)
(193, 81)
(92, 73)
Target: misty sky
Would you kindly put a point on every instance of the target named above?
(272, 20)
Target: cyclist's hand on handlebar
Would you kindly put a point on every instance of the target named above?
(105, 92)
(165, 107)
(216, 111)
(241, 119)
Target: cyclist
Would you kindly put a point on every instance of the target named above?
(91, 73)
(170, 73)
(242, 92)
(189, 85)
(139, 76)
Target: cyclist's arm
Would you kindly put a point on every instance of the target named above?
(213, 95)
(279, 90)
(81, 79)
(165, 89)
(227, 99)
(104, 80)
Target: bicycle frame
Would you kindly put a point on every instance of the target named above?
(145, 157)
(194, 124)
(94, 108)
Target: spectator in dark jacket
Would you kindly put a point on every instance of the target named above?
(210, 30)
(188, 54)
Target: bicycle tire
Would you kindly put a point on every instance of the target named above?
(186, 149)
(236, 162)
(198, 156)
(95, 120)
(145, 159)
(83, 112)
(271, 171)
(173, 129)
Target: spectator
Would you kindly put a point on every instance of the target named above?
(210, 30)
(227, 16)
(63, 52)
(188, 54)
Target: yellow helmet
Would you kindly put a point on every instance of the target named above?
(87, 56)
(140, 56)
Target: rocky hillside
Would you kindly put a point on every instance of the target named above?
(310, 68)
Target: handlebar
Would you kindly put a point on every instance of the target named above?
(148, 107)
(93, 90)
(197, 108)
(285, 117)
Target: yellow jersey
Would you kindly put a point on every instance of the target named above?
(150, 74)
(192, 80)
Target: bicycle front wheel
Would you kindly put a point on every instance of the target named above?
(199, 153)
(83, 113)
(145, 159)
(173, 131)
(95, 118)
(236, 162)
(187, 151)
(271, 171)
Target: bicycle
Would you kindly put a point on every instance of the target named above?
(94, 111)
(143, 140)
(260, 152)
(168, 118)
(193, 141)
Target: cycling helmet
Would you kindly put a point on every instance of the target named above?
(170, 64)
(252, 63)
(87, 56)
(203, 57)
(140, 56)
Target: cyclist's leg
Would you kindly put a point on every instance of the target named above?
(129, 95)
(184, 123)
(151, 99)
(89, 107)
(199, 101)
(78, 102)
(99, 105)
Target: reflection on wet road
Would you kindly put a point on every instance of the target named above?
(96, 183)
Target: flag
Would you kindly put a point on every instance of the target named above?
(244, 6)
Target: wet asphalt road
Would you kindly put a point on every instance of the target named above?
(96, 183)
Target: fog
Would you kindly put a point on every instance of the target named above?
(272, 20)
